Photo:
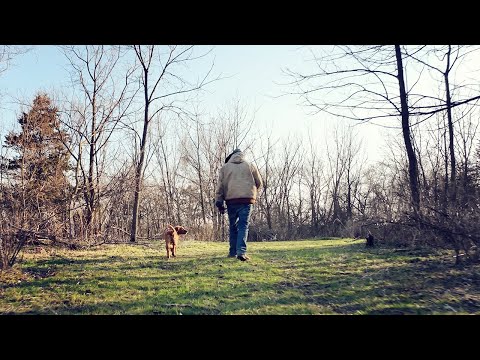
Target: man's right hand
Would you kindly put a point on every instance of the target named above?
(219, 205)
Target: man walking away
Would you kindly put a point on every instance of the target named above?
(238, 184)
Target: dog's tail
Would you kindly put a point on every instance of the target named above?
(170, 229)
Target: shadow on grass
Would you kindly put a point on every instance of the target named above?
(327, 279)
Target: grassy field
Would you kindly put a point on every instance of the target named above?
(285, 277)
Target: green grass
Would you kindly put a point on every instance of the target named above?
(337, 276)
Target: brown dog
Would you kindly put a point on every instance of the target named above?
(171, 236)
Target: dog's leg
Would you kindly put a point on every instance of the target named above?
(168, 251)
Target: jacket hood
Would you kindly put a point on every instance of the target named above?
(237, 158)
(237, 150)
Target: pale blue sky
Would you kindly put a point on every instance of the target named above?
(252, 70)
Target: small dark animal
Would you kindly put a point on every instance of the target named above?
(370, 240)
(171, 236)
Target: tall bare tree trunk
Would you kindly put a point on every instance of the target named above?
(199, 174)
(453, 176)
(91, 164)
(446, 186)
(139, 167)
(407, 137)
(150, 59)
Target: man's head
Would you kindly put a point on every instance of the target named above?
(233, 152)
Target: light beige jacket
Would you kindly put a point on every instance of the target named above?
(238, 179)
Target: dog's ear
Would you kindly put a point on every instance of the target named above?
(180, 230)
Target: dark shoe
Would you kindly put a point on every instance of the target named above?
(230, 256)
(243, 257)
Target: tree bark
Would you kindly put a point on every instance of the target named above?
(139, 168)
(453, 176)
(407, 137)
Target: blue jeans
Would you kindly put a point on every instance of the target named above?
(239, 219)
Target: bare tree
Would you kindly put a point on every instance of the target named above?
(192, 154)
(287, 169)
(166, 83)
(168, 154)
(467, 134)
(451, 55)
(265, 166)
(94, 119)
(8, 53)
(369, 87)
(34, 201)
(314, 180)
(407, 138)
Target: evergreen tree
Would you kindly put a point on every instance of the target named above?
(40, 165)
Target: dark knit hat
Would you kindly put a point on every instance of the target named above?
(233, 152)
